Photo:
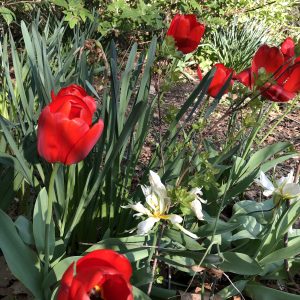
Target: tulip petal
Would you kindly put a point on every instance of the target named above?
(265, 182)
(269, 58)
(72, 89)
(291, 190)
(197, 209)
(277, 93)
(106, 258)
(293, 82)
(145, 226)
(175, 219)
(139, 207)
(84, 144)
(117, 288)
(181, 27)
(288, 47)
(245, 77)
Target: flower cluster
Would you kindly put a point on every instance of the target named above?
(274, 73)
(158, 204)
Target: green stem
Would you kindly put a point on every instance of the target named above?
(51, 196)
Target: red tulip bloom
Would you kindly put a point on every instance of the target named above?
(187, 32)
(65, 130)
(221, 75)
(101, 274)
(283, 78)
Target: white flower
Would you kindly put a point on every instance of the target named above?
(157, 206)
(196, 205)
(284, 187)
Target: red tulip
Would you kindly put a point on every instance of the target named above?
(220, 77)
(101, 274)
(187, 32)
(283, 80)
(65, 130)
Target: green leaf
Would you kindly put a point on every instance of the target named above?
(58, 270)
(239, 263)
(259, 292)
(39, 224)
(230, 290)
(292, 250)
(183, 239)
(7, 15)
(21, 260)
(61, 3)
(139, 295)
(25, 230)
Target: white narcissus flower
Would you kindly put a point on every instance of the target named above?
(284, 187)
(157, 206)
(196, 205)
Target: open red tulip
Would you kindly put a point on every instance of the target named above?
(101, 274)
(221, 75)
(65, 130)
(283, 80)
(187, 32)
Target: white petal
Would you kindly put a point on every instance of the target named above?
(268, 193)
(290, 177)
(198, 193)
(175, 219)
(146, 190)
(265, 182)
(157, 185)
(145, 226)
(139, 207)
(192, 235)
(291, 190)
(153, 202)
(197, 209)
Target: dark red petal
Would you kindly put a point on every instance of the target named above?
(288, 47)
(186, 46)
(84, 144)
(269, 58)
(107, 258)
(117, 288)
(293, 82)
(245, 77)
(276, 93)
(87, 278)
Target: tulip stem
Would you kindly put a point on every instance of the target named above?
(49, 216)
(157, 239)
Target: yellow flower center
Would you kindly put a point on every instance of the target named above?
(96, 293)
